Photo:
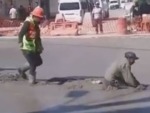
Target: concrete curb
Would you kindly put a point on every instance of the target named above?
(146, 35)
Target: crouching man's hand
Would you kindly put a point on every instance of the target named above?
(141, 87)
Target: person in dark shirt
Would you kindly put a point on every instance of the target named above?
(21, 13)
(136, 10)
(144, 8)
(136, 15)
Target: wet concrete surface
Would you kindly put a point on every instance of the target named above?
(74, 57)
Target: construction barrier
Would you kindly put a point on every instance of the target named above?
(122, 26)
(65, 28)
(146, 23)
(59, 18)
(9, 23)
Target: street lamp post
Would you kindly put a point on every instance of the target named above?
(45, 5)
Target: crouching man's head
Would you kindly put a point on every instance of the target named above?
(131, 57)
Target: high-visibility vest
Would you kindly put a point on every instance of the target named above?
(30, 37)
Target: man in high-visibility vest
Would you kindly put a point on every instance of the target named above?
(30, 44)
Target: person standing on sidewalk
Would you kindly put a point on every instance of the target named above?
(29, 10)
(31, 45)
(13, 13)
(136, 16)
(97, 15)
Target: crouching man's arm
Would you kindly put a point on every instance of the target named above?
(129, 78)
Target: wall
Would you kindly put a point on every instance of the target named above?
(53, 7)
(6, 4)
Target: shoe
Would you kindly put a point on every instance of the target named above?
(22, 74)
(32, 79)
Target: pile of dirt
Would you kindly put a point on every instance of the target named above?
(9, 78)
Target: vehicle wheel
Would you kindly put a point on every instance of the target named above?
(116, 7)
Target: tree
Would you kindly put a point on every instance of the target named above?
(142, 1)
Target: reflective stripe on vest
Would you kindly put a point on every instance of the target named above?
(29, 44)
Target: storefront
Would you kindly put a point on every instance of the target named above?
(5, 5)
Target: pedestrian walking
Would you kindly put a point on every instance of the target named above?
(31, 45)
(13, 13)
(21, 13)
(136, 16)
(97, 15)
(119, 74)
(29, 10)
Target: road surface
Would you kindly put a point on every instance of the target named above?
(75, 57)
(117, 13)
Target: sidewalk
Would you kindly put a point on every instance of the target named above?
(86, 31)
(113, 35)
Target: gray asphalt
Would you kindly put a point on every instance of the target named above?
(75, 57)
(117, 13)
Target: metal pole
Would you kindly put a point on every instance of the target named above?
(47, 8)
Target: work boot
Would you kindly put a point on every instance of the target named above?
(23, 69)
(22, 74)
(32, 79)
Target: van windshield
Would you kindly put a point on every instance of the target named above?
(122, 1)
(69, 6)
(113, 2)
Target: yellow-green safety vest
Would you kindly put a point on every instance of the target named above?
(30, 37)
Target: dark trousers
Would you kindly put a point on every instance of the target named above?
(34, 60)
(98, 25)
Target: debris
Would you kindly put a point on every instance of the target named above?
(96, 82)
(142, 87)
(9, 78)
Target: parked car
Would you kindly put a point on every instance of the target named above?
(122, 4)
(113, 4)
(73, 10)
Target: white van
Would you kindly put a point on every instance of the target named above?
(122, 4)
(72, 10)
(113, 4)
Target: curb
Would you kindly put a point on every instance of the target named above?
(146, 35)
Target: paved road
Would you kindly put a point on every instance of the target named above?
(117, 13)
(75, 57)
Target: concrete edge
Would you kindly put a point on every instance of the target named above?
(146, 35)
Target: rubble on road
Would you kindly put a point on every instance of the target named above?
(7, 77)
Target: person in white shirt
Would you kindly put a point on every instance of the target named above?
(13, 13)
(97, 15)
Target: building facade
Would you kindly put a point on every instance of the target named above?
(5, 5)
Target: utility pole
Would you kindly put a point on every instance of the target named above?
(45, 5)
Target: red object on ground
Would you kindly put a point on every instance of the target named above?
(66, 28)
(146, 24)
(122, 26)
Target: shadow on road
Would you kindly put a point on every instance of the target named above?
(133, 110)
(79, 108)
(5, 69)
(74, 95)
(62, 80)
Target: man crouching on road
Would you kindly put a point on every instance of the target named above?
(119, 74)
(30, 44)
